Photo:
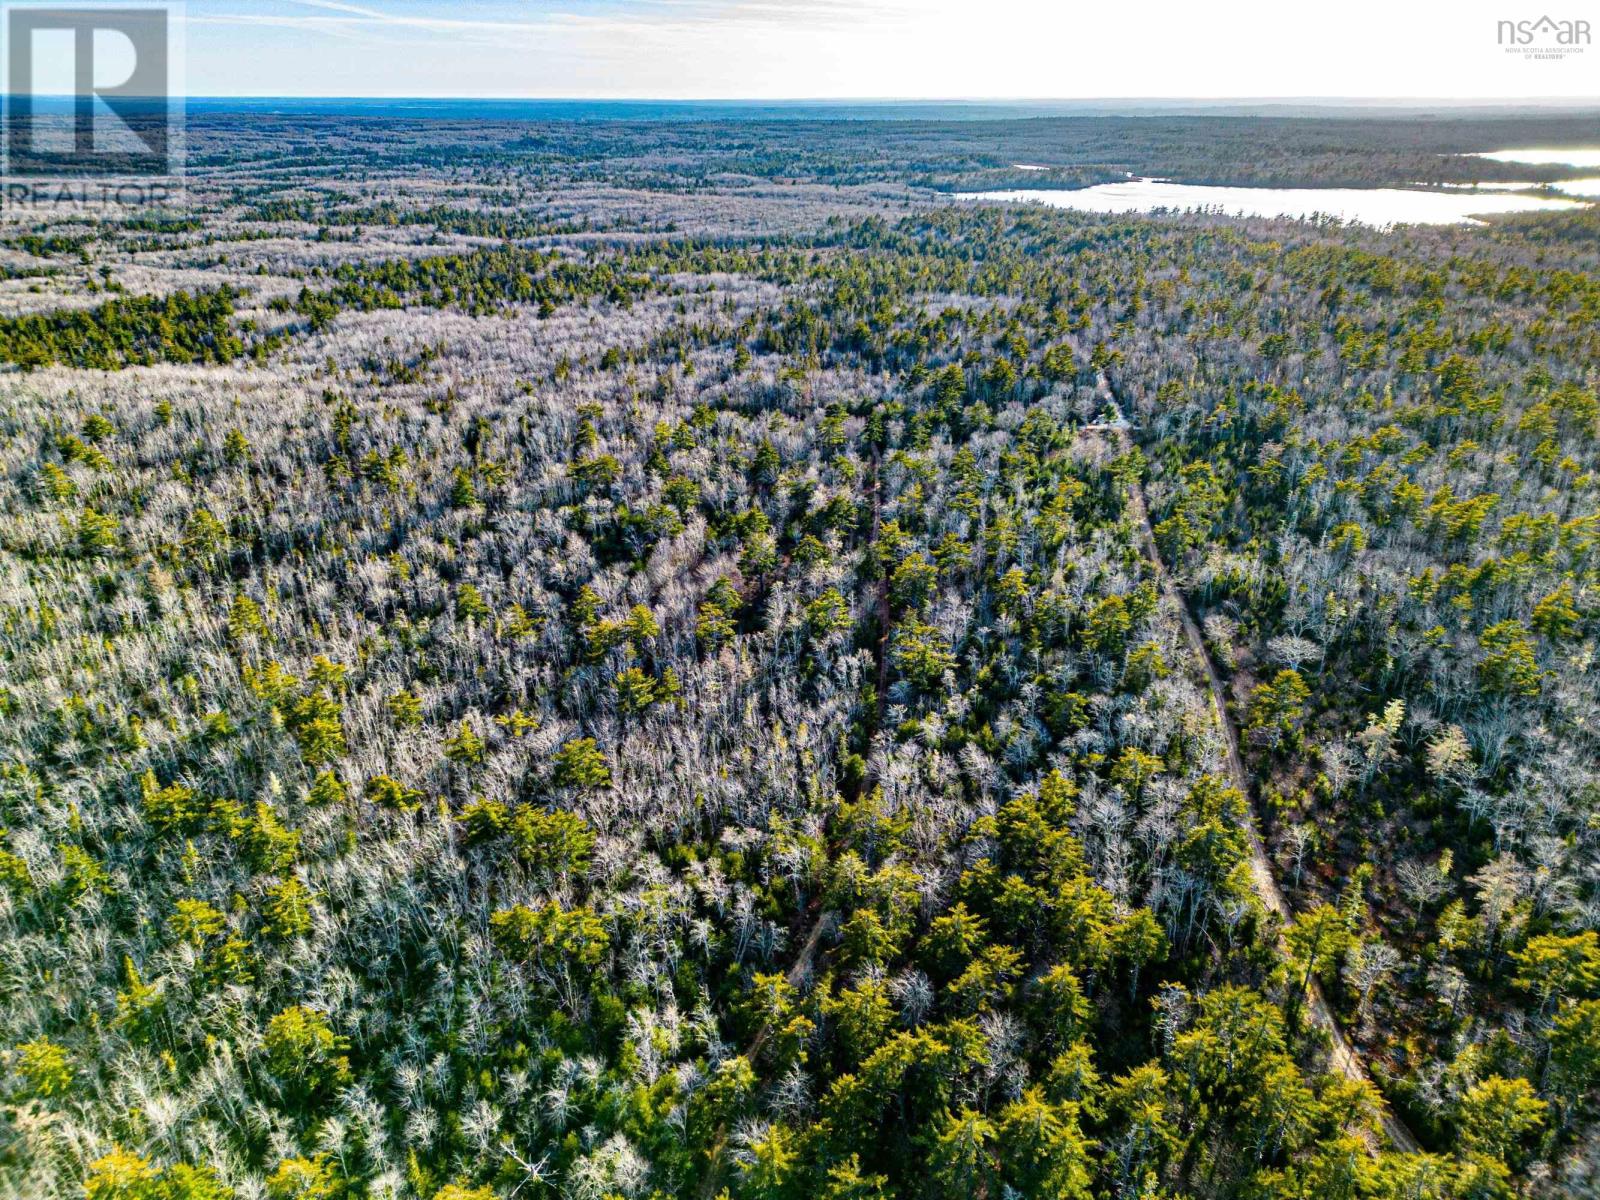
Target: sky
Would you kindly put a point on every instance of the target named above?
(772, 49)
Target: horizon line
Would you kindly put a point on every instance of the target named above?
(1330, 101)
(1572, 101)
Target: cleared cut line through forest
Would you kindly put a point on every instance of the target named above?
(820, 917)
(1344, 1055)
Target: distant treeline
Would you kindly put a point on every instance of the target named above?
(1239, 149)
(183, 327)
(477, 282)
(470, 222)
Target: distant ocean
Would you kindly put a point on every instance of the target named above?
(652, 110)
(855, 110)
(475, 109)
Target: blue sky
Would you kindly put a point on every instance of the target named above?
(865, 48)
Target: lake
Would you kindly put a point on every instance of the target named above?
(1587, 187)
(1368, 206)
(1541, 157)
(1549, 157)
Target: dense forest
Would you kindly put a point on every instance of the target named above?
(699, 682)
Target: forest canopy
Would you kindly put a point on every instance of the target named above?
(677, 686)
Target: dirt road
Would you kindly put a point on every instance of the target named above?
(1345, 1059)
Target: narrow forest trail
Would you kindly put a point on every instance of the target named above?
(880, 650)
(818, 916)
(796, 972)
(1345, 1059)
